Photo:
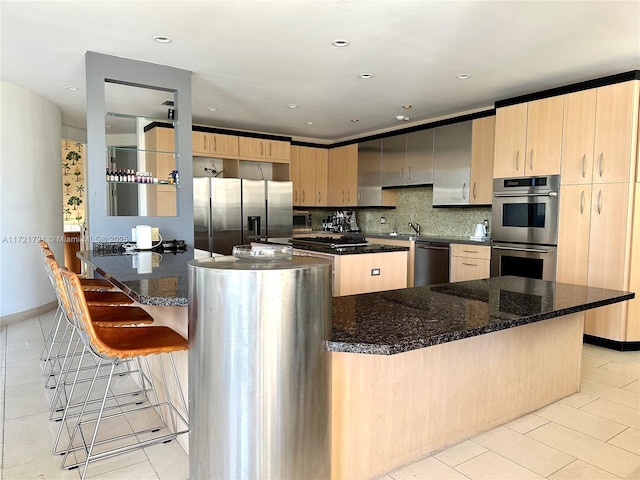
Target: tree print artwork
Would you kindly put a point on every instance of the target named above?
(73, 157)
(80, 190)
(75, 202)
(65, 168)
(77, 173)
(67, 184)
(67, 214)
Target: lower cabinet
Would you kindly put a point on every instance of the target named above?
(410, 244)
(365, 272)
(469, 262)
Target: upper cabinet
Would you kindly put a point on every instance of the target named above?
(275, 151)
(598, 134)
(308, 172)
(408, 159)
(343, 176)
(217, 145)
(463, 163)
(528, 138)
(482, 144)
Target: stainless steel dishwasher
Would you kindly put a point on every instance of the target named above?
(431, 263)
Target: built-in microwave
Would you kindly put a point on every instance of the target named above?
(525, 210)
(301, 221)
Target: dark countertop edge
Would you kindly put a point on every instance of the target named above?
(372, 249)
(392, 349)
(429, 238)
(142, 299)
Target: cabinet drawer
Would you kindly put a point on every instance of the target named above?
(468, 269)
(470, 251)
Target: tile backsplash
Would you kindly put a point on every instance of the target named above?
(415, 205)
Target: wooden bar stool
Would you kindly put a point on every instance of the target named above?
(103, 316)
(112, 346)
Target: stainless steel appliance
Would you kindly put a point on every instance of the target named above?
(259, 374)
(233, 211)
(301, 221)
(532, 261)
(431, 263)
(525, 226)
(525, 210)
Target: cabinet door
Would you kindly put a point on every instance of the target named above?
(578, 133)
(223, 145)
(277, 150)
(573, 234)
(251, 147)
(544, 136)
(452, 164)
(463, 268)
(370, 173)
(510, 144)
(199, 144)
(294, 174)
(608, 236)
(394, 157)
(343, 176)
(322, 167)
(616, 114)
(419, 165)
(307, 175)
(482, 142)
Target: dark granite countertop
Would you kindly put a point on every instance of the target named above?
(398, 321)
(430, 238)
(166, 285)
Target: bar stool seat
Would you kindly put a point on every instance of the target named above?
(106, 298)
(96, 284)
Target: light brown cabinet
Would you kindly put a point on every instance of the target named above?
(275, 151)
(597, 229)
(343, 176)
(410, 244)
(482, 145)
(308, 172)
(469, 262)
(599, 134)
(161, 199)
(528, 139)
(206, 144)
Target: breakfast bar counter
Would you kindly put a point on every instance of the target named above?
(418, 369)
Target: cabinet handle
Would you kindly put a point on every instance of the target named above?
(359, 195)
(269, 149)
(348, 196)
(464, 187)
(319, 197)
(518, 161)
(409, 174)
(601, 164)
(204, 142)
(470, 264)
(581, 202)
(215, 143)
(474, 190)
(583, 164)
(342, 196)
(402, 174)
(303, 196)
(470, 251)
(599, 203)
(261, 149)
(531, 160)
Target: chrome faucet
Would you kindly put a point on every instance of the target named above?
(416, 227)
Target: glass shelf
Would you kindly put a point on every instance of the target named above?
(164, 183)
(140, 117)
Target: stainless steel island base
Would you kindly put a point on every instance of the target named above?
(259, 374)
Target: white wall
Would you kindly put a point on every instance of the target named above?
(30, 196)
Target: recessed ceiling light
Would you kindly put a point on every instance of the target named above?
(366, 76)
(340, 43)
(71, 88)
(309, 123)
(212, 109)
(406, 107)
(292, 105)
(402, 118)
(463, 76)
(162, 39)
(354, 120)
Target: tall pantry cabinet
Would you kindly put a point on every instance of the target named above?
(599, 224)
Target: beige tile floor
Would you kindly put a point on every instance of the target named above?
(594, 434)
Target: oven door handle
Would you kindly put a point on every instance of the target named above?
(514, 195)
(532, 250)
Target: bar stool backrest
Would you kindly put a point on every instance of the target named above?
(53, 272)
(80, 315)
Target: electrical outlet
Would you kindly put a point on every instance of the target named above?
(383, 220)
(155, 234)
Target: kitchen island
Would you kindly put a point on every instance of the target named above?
(415, 370)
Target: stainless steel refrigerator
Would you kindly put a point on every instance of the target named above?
(233, 211)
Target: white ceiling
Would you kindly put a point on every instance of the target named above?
(250, 59)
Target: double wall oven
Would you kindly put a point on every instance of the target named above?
(524, 219)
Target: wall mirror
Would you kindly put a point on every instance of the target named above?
(141, 170)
